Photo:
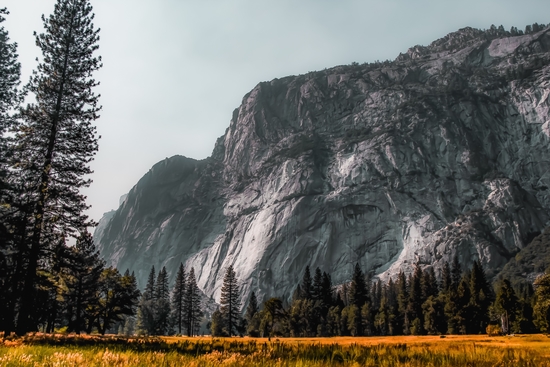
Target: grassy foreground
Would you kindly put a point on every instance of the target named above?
(518, 351)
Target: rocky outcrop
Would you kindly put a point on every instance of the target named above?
(443, 151)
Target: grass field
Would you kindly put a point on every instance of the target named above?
(478, 350)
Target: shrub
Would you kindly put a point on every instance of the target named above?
(493, 330)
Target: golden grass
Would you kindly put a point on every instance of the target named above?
(403, 351)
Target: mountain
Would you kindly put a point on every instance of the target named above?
(530, 262)
(443, 151)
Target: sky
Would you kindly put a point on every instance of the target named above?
(174, 70)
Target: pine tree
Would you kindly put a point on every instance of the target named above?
(480, 299)
(146, 310)
(456, 272)
(162, 303)
(193, 304)
(358, 288)
(414, 308)
(327, 295)
(358, 296)
(230, 301)
(56, 139)
(82, 282)
(403, 322)
(506, 304)
(307, 284)
(317, 286)
(11, 257)
(10, 97)
(149, 292)
(252, 316)
(178, 300)
(446, 280)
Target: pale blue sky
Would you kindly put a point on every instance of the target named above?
(174, 70)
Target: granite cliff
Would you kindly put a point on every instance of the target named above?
(443, 151)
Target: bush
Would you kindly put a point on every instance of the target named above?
(493, 330)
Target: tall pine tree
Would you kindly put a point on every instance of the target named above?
(162, 303)
(178, 300)
(193, 304)
(11, 260)
(57, 140)
(230, 301)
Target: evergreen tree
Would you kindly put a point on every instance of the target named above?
(178, 300)
(506, 305)
(149, 292)
(216, 323)
(10, 72)
(456, 272)
(358, 288)
(480, 300)
(307, 285)
(162, 304)
(57, 140)
(118, 297)
(462, 318)
(317, 287)
(10, 97)
(542, 302)
(297, 294)
(434, 316)
(403, 322)
(193, 304)
(252, 316)
(82, 282)
(145, 324)
(273, 312)
(12, 221)
(333, 321)
(429, 284)
(230, 301)
(327, 294)
(358, 296)
(414, 307)
(446, 278)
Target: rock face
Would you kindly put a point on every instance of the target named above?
(443, 151)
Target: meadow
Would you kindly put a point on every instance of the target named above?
(478, 350)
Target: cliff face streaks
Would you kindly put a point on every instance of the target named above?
(443, 151)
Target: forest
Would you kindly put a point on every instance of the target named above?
(456, 301)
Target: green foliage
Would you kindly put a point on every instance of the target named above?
(506, 305)
(252, 317)
(217, 324)
(542, 305)
(118, 296)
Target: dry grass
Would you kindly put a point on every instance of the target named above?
(405, 351)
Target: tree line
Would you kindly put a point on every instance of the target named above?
(421, 303)
(46, 147)
(454, 302)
